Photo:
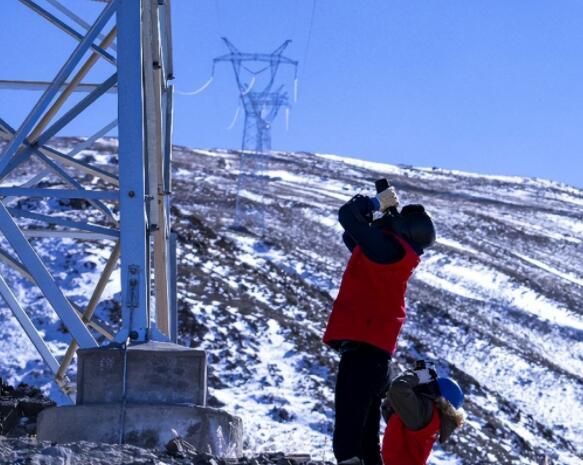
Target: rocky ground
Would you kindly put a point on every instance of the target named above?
(19, 408)
(32, 452)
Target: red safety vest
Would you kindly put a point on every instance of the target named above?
(403, 446)
(370, 306)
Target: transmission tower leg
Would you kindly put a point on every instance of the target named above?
(142, 388)
(250, 210)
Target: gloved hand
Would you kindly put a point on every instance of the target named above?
(387, 199)
(361, 208)
(425, 375)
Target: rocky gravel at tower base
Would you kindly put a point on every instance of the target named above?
(32, 452)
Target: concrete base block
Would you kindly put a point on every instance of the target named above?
(155, 372)
(209, 430)
(138, 396)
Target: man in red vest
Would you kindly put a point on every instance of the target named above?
(368, 314)
(419, 409)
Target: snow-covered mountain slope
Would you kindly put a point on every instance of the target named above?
(497, 301)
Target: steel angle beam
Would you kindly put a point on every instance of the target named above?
(71, 181)
(76, 110)
(54, 234)
(68, 91)
(91, 306)
(134, 238)
(168, 135)
(67, 159)
(43, 85)
(153, 100)
(11, 262)
(166, 33)
(101, 330)
(83, 166)
(91, 140)
(84, 24)
(93, 325)
(16, 212)
(44, 280)
(173, 334)
(60, 78)
(28, 326)
(64, 27)
(58, 193)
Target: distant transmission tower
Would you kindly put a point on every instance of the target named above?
(261, 107)
(260, 112)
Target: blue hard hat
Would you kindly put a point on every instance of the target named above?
(451, 391)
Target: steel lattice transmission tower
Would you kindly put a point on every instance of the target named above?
(134, 384)
(128, 200)
(261, 104)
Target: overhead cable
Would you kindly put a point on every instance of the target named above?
(308, 42)
(199, 90)
(235, 118)
(249, 87)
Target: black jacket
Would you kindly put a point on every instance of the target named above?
(413, 407)
(355, 216)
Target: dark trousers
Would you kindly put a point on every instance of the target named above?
(362, 380)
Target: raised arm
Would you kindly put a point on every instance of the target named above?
(355, 217)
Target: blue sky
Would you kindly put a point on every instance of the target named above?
(491, 86)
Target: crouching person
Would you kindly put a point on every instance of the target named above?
(420, 408)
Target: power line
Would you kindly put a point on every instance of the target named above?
(219, 22)
(308, 42)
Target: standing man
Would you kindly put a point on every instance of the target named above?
(368, 314)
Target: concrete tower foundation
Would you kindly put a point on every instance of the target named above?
(142, 395)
